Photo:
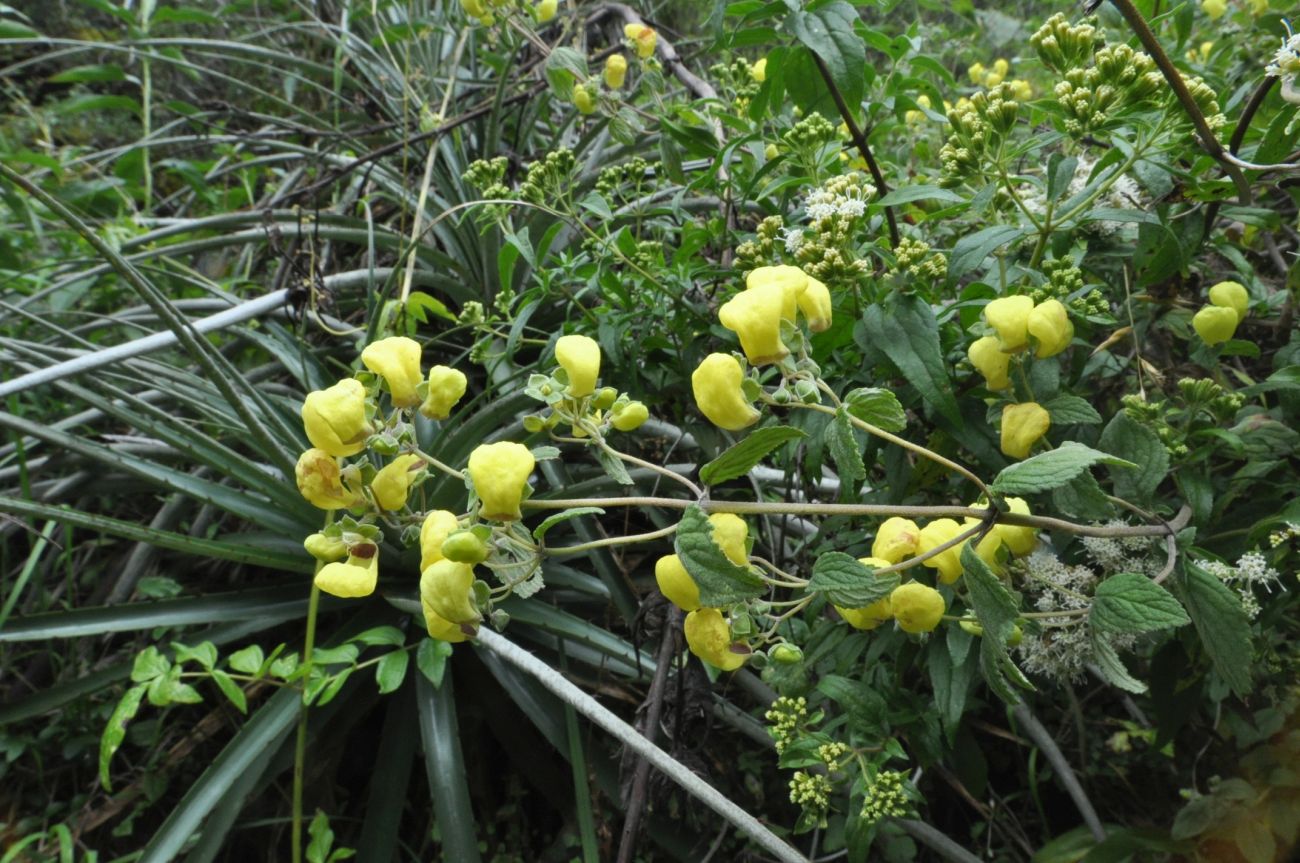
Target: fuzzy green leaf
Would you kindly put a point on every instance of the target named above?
(876, 406)
(1222, 625)
(844, 448)
(1112, 667)
(997, 610)
(905, 329)
(847, 582)
(1052, 469)
(739, 459)
(721, 581)
(1127, 602)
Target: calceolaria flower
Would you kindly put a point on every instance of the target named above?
(629, 417)
(1231, 295)
(446, 388)
(988, 358)
(1009, 316)
(871, 616)
(500, 474)
(758, 71)
(1215, 324)
(1018, 540)
(354, 577)
(643, 39)
(448, 589)
(545, 10)
(1023, 425)
(917, 607)
(676, 584)
(709, 637)
(730, 534)
(583, 100)
(792, 281)
(1049, 324)
(324, 548)
(896, 540)
(1215, 9)
(440, 628)
(321, 482)
(393, 482)
(815, 305)
(718, 393)
(397, 361)
(438, 525)
(615, 71)
(948, 561)
(335, 418)
(579, 356)
(755, 316)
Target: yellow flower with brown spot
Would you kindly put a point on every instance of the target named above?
(321, 482)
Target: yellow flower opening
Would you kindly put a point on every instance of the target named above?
(709, 637)
(717, 387)
(439, 627)
(1231, 295)
(755, 316)
(446, 388)
(1049, 324)
(815, 305)
(758, 71)
(947, 562)
(917, 607)
(1022, 427)
(870, 616)
(397, 361)
(545, 10)
(447, 587)
(1215, 324)
(643, 39)
(321, 482)
(988, 358)
(393, 482)
(579, 356)
(896, 540)
(615, 71)
(1009, 316)
(583, 100)
(353, 578)
(500, 474)
(335, 418)
(676, 583)
(792, 281)
(437, 526)
(729, 534)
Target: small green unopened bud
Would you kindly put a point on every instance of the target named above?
(1015, 637)
(807, 392)
(972, 627)
(781, 396)
(500, 619)
(533, 423)
(786, 653)
(463, 546)
(605, 398)
(384, 444)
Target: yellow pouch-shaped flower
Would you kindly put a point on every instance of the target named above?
(321, 482)
(758, 71)
(579, 356)
(729, 534)
(1215, 324)
(474, 8)
(917, 607)
(500, 474)
(1049, 324)
(896, 540)
(583, 100)
(1215, 9)
(630, 417)
(1022, 427)
(643, 37)
(545, 10)
(1231, 295)
(709, 637)
(615, 71)
(397, 361)
(792, 281)
(676, 583)
(448, 589)
(355, 577)
(988, 358)
(870, 616)
(1010, 317)
(335, 418)
(393, 482)
(754, 315)
(446, 388)
(438, 525)
(1018, 540)
(935, 534)
(815, 304)
(717, 387)
(324, 549)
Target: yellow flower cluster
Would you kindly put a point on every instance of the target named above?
(575, 396)
(1217, 322)
(992, 77)
(708, 632)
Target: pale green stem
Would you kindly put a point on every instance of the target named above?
(613, 540)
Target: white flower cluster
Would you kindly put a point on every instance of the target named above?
(1123, 194)
(850, 202)
(1252, 570)
(1122, 554)
(1287, 59)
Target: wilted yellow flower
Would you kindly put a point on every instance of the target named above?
(1018, 540)
(545, 10)
(630, 416)
(397, 361)
(1214, 8)
(676, 583)
(583, 100)
(758, 71)
(717, 387)
(987, 356)
(437, 526)
(870, 616)
(1009, 316)
(579, 356)
(754, 315)
(729, 534)
(448, 589)
(709, 637)
(500, 474)
(792, 281)
(1049, 324)
(335, 418)
(917, 607)
(1022, 427)
(1215, 324)
(935, 534)
(643, 38)
(896, 540)
(615, 71)
(355, 577)
(321, 482)
(446, 388)
(815, 304)
(1231, 295)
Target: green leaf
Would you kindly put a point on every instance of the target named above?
(971, 250)
(564, 515)
(1112, 667)
(876, 406)
(844, 447)
(1126, 438)
(230, 689)
(564, 68)
(391, 671)
(322, 838)
(1052, 469)
(739, 459)
(444, 764)
(89, 74)
(1128, 602)
(614, 467)
(247, 661)
(997, 610)
(1222, 625)
(908, 194)
(381, 635)
(431, 658)
(1071, 410)
(115, 730)
(205, 654)
(149, 664)
(97, 102)
(905, 329)
(828, 31)
(848, 583)
(721, 581)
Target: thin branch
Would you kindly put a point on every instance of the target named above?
(1043, 739)
(936, 841)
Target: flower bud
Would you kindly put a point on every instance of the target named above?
(579, 356)
(474, 8)
(771, 151)
(354, 577)
(987, 356)
(438, 525)
(1009, 316)
(917, 607)
(630, 417)
(446, 388)
(321, 482)
(935, 534)
(815, 304)
(1049, 324)
(1215, 9)
(709, 637)
(676, 583)
(325, 549)
(1022, 426)
(463, 546)
(615, 71)
(605, 398)
(583, 100)
(807, 392)
(1018, 540)
(500, 474)
(870, 616)
(335, 418)
(1231, 295)
(896, 540)
(718, 393)
(447, 587)
(1215, 324)
(545, 10)
(391, 485)
(792, 281)
(729, 534)
(534, 424)
(643, 38)
(755, 316)
(786, 653)
(397, 361)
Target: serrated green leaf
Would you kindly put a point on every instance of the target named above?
(739, 459)
(828, 31)
(614, 468)
(564, 515)
(1112, 667)
(905, 329)
(391, 671)
(876, 406)
(849, 583)
(971, 250)
(564, 68)
(721, 581)
(1071, 410)
(997, 610)
(1052, 469)
(1131, 440)
(1222, 625)
(115, 730)
(1128, 602)
(231, 690)
(843, 447)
